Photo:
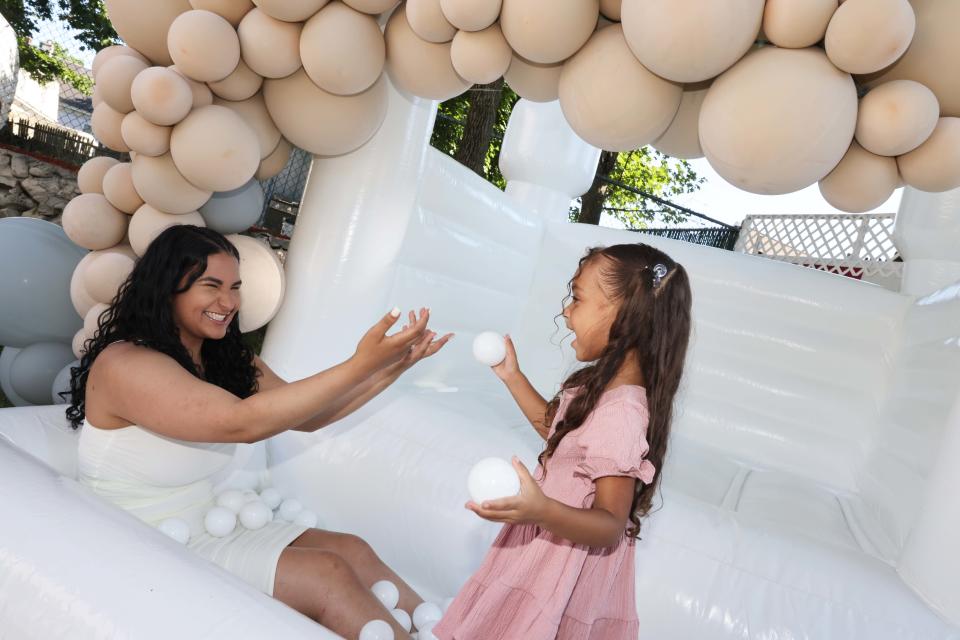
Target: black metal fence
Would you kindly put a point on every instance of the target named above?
(718, 237)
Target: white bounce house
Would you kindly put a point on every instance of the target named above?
(809, 491)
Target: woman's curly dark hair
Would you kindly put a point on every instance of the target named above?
(142, 312)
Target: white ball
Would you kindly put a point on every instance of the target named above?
(306, 518)
(289, 509)
(402, 618)
(387, 593)
(255, 515)
(427, 632)
(271, 497)
(489, 348)
(232, 499)
(492, 478)
(376, 630)
(220, 522)
(425, 614)
(175, 528)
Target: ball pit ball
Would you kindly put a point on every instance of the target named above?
(306, 518)
(376, 630)
(255, 515)
(232, 499)
(289, 509)
(387, 593)
(271, 497)
(176, 529)
(220, 522)
(425, 614)
(492, 478)
(489, 348)
(402, 618)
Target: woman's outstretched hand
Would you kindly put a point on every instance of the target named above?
(527, 507)
(377, 350)
(424, 348)
(509, 368)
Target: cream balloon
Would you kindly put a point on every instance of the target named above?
(682, 137)
(610, 99)
(95, 97)
(533, 81)
(115, 79)
(79, 343)
(427, 21)
(419, 67)
(203, 45)
(91, 321)
(274, 163)
(82, 301)
(231, 10)
(548, 31)
(610, 9)
(935, 164)
(202, 96)
(779, 120)
(143, 25)
(342, 49)
(147, 223)
(243, 83)
(107, 271)
(321, 122)
(161, 96)
(796, 24)
(896, 117)
(270, 47)
(263, 282)
(867, 35)
(118, 188)
(290, 10)
(690, 41)
(254, 113)
(105, 124)
(861, 182)
(471, 15)
(373, 7)
(161, 185)
(90, 175)
(92, 222)
(108, 53)
(214, 149)
(480, 56)
(142, 136)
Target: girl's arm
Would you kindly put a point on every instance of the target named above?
(531, 403)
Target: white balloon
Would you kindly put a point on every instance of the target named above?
(289, 509)
(220, 522)
(376, 630)
(402, 618)
(271, 497)
(255, 515)
(175, 528)
(61, 384)
(387, 593)
(425, 616)
(492, 478)
(232, 499)
(489, 348)
(306, 518)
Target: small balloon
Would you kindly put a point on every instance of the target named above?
(234, 211)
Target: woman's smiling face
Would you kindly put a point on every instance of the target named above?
(205, 310)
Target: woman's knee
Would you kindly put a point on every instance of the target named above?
(356, 549)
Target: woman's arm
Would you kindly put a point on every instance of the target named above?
(531, 403)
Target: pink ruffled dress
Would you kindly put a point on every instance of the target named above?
(534, 585)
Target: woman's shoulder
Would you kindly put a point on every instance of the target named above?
(124, 354)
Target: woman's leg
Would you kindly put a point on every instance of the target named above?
(323, 586)
(364, 561)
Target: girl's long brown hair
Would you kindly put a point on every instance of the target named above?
(653, 325)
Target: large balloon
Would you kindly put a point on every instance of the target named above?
(234, 211)
(203, 45)
(61, 384)
(417, 66)
(263, 282)
(867, 35)
(342, 49)
(548, 31)
(215, 149)
(144, 25)
(7, 356)
(33, 370)
(37, 260)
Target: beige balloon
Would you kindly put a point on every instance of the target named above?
(480, 56)
(105, 124)
(779, 120)
(471, 15)
(108, 53)
(610, 99)
(148, 223)
(419, 67)
(161, 96)
(143, 25)
(373, 7)
(82, 302)
(254, 112)
(202, 96)
(532, 81)
(92, 222)
(290, 10)
(107, 271)
(931, 57)
(142, 136)
(91, 321)
(896, 117)
(261, 272)
(90, 175)
(427, 21)
(274, 163)
(115, 81)
(342, 49)
(203, 45)
(231, 10)
(243, 83)
(118, 188)
(80, 339)
(163, 187)
(796, 24)
(95, 97)
(548, 31)
(682, 137)
(215, 149)
(321, 122)
(867, 35)
(269, 46)
(610, 9)
(861, 182)
(934, 165)
(690, 41)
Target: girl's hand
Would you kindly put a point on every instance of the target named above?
(528, 507)
(509, 368)
(377, 350)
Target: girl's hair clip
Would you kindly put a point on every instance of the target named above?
(659, 271)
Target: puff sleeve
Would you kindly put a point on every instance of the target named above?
(613, 443)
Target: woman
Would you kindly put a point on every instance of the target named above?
(167, 387)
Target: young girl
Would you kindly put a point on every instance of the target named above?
(563, 566)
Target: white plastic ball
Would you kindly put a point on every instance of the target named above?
(176, 529)
(427, 632)
(425, 614)
(306, 518)
(232, 499)
(220, 522)
(255, 515)
(489, 348)
(402, 618)
(387, 593)
(289, 509)
(271, 497)
(376, 630)
(492, 478)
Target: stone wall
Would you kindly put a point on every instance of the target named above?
(33, 188)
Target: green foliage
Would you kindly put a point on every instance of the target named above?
(651, 172)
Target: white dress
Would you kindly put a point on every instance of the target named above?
(155, 477)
